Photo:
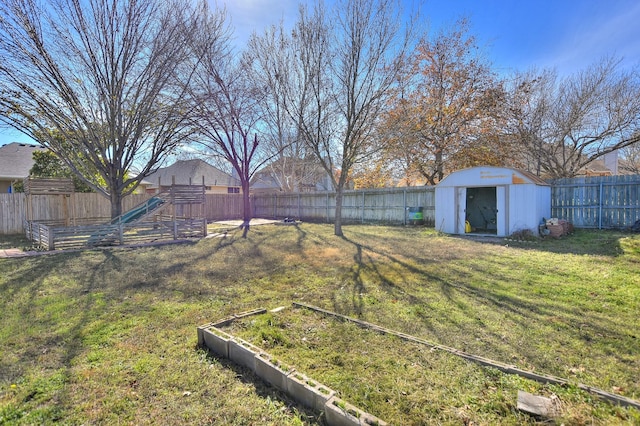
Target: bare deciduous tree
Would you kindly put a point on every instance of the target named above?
(101, 84)
(225, 110)
(342, 64)
(565, 124)
(529, 101)
(294, 166)
(630, 158)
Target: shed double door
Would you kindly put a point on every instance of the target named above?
(502, 207)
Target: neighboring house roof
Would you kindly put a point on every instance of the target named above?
(16, 159)
(607, 165)
(291, 174)
(191, 171)
(264, 180)
(595, 168)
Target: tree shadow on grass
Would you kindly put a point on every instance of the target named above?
(14, 241)
(114, 276)
(547, 335)
(392, 280)
(93, 289)
(56, 315)
(301, 236)
(21, 289)
(263, 390)
(97, 286)
(365, 264)
(488, 320)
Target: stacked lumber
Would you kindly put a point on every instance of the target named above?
(45, 186)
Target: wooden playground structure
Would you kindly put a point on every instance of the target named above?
(174, 213)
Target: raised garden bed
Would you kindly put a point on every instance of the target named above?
(305, 390)
(381, 368)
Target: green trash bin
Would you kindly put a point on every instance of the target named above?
(416, 216)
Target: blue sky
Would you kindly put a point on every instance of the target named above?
(516, 34)
(568, 35)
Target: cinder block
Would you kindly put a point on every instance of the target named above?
(200, 331)
(217, 341)
(243, 353)
(308, 392)
(224, 321)
(340, 413)
(271, 372)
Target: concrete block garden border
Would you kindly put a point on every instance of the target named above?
(509, 369)
(320, 398)
(306, 391)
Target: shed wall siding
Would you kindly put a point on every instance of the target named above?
(446, 210)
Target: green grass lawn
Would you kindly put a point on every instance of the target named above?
(109, 336)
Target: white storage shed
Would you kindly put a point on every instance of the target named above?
(493, 200)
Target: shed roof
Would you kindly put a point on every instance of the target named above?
(16, 159)
(490, 176)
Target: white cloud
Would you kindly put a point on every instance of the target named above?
(605, 31)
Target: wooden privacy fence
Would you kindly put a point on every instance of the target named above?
(395, 206)
(609, 202)
(223, 206)
(87, 208)
(12, 213)
(91, 208)
(597, 202)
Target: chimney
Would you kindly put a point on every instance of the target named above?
(611, 162)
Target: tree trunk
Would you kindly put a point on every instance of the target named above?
(439, 166)
(337, 225)
(246, 210)
(116, 203)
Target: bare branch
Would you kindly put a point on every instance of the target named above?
(566, 124)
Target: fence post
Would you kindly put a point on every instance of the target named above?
(404, 207)
(254, 208)
(327, 206)
(121, 233)
(50, 244)
(600, 206)
(362, 220)
(275, 205)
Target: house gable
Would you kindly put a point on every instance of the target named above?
(192, 172)
(288, 174)
(16, 160)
